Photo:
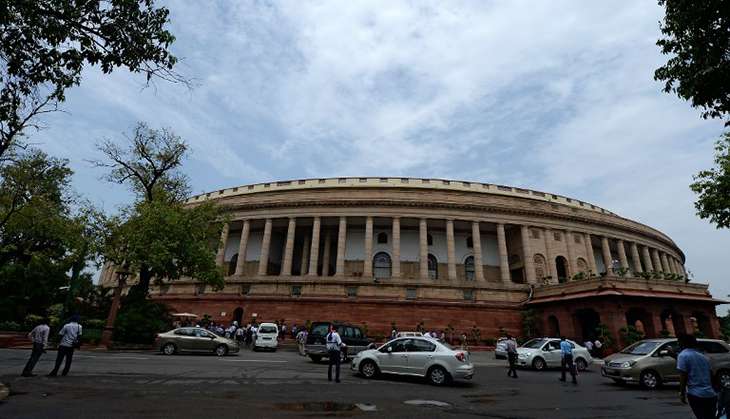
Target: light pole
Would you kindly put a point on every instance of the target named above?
(106, 335)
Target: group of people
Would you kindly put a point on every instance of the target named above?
(594, 347)
(70, 335)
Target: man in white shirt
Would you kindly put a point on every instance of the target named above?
(39, 337)
(334, 344)
(70, 339)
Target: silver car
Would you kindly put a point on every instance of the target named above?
(419, 356)
(542, 353)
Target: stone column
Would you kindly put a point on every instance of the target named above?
(589, 254)
(670, 263)
(656, 261)
(423, 247)
(476, 239)
(450, 249)
(549, 262)
(527, 256)
(289, 247)
(622, 254)
(314, 252)
(607, 258)
(572, 261)
(305, 256)
(665, 264)
(341, 237)
(503, 256)
(265, 243)
(242, 246)
(220, 257)
(395, 269)
(647, 259)
(367, 269)
(635, 258)
(326, 253)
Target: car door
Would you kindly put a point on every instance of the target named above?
(716, 353)
(666, 365)
(551, 353)
(185, 339)
(393, 357)
(420, 355)
(204, 340)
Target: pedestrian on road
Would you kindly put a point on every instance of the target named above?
(334, 346)
(39, 337)
(589, 345)
(695, 379)
(301, 341)
(566, 360)
(597, 348)
(70, 340)
(511, 356)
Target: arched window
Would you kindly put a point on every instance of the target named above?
(382, 238)
(381, 265)
(469, 268)
(469, 243)
(232, 264)
(433, 267)
(429, 239)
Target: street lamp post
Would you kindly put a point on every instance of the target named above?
(106, 335)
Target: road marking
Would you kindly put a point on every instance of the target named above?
(127, 357)
(253, 360)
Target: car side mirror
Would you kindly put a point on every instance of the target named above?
(390, 349)
(664, 353)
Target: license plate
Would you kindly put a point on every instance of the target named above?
(267, 338)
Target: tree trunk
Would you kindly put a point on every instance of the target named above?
(142, 287)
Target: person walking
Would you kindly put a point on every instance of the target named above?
(302, 341)
(695, 379)
(597, 348)
(511, 356)
(334, 346)
(39, 337)
(70, 339)
(589, 346)
(566, 359)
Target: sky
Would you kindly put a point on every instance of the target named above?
(556, 96)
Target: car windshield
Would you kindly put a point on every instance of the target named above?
(320, 329)
(533, 343)
(267, 329)
(640, 348)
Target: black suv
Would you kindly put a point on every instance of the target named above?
(352, 336)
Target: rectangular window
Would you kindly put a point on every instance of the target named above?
(284, 183)
(351, 291)
(467, 184)
(469, 295)
(446, 182)
(341, 180)
(534, 233)
(383, 180)
(404, 180)
(302, 182)
(246, 289)
(577, 238)
(557, 236)
(410, 293)
(322, 180)
(363, 179)
(296, 290)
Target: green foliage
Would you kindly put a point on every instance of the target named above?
(140, 320)
(91, 336)
(529, 323)
(695, 36)
(10, 326)
(664, 333)
(45, 45)
(630, 334)
(713, 186)
(645, 275)
(621, 272)
(580, 276)
(603, 334)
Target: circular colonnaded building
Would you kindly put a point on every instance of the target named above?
(450, 255)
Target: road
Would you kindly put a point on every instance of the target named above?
(283, 384)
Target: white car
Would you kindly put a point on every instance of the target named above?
(267, 337)
(542, 353)
(419, 356)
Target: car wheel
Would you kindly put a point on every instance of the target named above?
(649, 380)
(723, 378)
(221, 350)
(538, 364)
(368, 369)
(169, 349)
(315, 358)
(438, 376)
(581, 364)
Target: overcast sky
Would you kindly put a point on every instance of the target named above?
(555, 96)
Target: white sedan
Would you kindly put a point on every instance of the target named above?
(542, 353)
(419, 356)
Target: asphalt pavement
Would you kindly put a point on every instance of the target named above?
(283, 384)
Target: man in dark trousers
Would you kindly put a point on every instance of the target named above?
(70, 340)
(695, 379)
(566, 359)
(511, 356)
(334, 345)
(39, 337)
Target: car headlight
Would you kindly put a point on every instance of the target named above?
(627, 364)
(522, 356)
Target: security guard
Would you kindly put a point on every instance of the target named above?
(334, 345)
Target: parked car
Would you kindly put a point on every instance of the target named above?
(652, 362)
(542, 353)
(194, 339)
(500, 349)
(352, 336)
(267, 337)
(419, 356)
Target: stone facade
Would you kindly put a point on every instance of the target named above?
(448, 253)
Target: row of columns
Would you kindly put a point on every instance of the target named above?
(654, 260)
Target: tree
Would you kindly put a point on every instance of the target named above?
(713, 187)
(45, 44)
(697, 36)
